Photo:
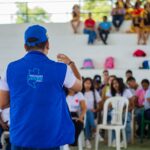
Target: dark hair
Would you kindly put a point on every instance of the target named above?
(92, 86)
(131, 79)
(97, 78)
(37, 46)
(122, 87)
(145, 81)
(112, 76)
(129, 71)
(105, 17)
(105, 71)
(117, 4)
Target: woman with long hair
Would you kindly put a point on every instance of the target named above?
(118, 88)
(93, 100)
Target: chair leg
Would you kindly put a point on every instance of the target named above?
(124, 138)
(142, 132)
(117, 139)
(97, 139)
(109, 138)
(132, 130)
(80, 140)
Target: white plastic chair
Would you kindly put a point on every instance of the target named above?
(117, 124)
(132, 126)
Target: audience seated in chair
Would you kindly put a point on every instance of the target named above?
(77, 108)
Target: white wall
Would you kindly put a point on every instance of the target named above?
(62, 40)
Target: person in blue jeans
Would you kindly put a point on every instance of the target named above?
(118, 88)
(33, 88)
(93, 100)
(118, 14)
(89, 28)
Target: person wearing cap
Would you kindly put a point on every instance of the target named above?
(33, 86)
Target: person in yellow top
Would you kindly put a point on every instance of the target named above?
(75, 22)
(145, 22)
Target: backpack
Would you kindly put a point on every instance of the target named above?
(146, 64)
(139, 53)
(88, 64)
(109, 63)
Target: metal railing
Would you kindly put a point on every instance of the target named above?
(64, 15)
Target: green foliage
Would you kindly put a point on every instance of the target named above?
(35, 15)
(99, 8)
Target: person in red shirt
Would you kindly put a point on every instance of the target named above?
(89, 28)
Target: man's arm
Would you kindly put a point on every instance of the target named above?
(78, 83)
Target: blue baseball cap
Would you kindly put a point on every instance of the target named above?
(35, 31)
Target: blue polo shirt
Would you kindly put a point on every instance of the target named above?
(105, 25)
(39, 116)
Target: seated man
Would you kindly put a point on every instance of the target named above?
(104, 29)
(146, 111)
(89, 28)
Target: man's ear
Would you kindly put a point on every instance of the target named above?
(25, 46)
(47, 45)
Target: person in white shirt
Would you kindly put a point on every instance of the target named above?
(93, 100)
(77, 107)
(118, 88)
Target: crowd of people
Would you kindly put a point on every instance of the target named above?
(90, 101)
(96, 91)
(139, 13)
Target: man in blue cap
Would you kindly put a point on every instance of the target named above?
(33, 86)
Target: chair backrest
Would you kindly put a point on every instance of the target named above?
(119, 108)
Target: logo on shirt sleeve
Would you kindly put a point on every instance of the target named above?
(34, 77)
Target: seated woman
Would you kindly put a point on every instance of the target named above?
(93, 101)
(118, 14)
(75, 22)
(146, 23)
(136, 22)
(89, 28)
(77, 108)
(129, 8)
(118, 88)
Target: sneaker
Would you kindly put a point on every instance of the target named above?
(113, 143)
(100, 138)
(88, 144)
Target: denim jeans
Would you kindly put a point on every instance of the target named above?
(139, 119)
(23, 148)
(103, 35)
(118, 20)
(89, 124)
(92, 35)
